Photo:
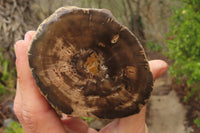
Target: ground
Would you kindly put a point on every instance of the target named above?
(167, 113)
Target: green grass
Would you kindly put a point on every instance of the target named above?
(14, 127)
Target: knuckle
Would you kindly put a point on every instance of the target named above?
(28, 119)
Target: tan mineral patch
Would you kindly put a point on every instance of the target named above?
(115, 38)
(109, 20)
(122, 28)
(131, 72)
(101, 44)
(92, 64)
(86, 11)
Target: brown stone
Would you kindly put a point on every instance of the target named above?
(86, 65)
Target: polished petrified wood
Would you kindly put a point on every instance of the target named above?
(87, 64)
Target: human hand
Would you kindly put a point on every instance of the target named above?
(37, 116)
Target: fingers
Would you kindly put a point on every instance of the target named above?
(136, 123)
(31, 108)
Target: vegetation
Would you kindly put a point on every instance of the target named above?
(197, 122)
(154, 46)
(184, 46)
(87, 119)
(14, 127)
(13, 25)
(7, 75)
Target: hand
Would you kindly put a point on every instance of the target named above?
(37, 116)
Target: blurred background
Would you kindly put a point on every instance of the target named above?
(168, 29)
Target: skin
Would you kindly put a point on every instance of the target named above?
(37, 116)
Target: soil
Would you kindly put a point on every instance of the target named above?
(192, 105)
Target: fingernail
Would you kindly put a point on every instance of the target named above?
(27, 37)
(163, 68)
(65, 116)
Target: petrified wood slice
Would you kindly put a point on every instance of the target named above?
(87, 64)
